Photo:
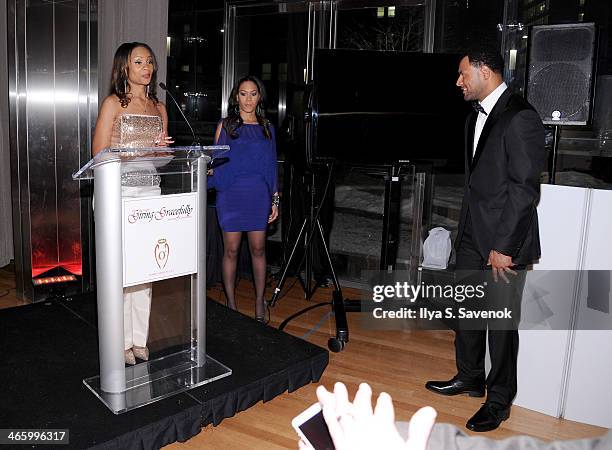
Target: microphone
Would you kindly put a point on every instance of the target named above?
(165, 88)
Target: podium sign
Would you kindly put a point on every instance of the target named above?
(160, 238)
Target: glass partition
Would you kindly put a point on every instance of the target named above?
(584, 161)
(358, 232)
(269, 41)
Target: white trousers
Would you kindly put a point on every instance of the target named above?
(137, 299)
(136, 313)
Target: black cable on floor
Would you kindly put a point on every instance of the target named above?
(299, 313)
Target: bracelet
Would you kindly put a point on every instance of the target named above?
(275, 200)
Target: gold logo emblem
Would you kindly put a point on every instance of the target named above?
(162, 251)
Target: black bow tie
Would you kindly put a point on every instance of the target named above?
(478, 108)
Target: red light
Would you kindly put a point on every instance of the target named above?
(50, 280)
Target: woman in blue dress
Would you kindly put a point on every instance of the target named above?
(247, 193)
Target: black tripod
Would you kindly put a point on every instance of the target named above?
(311, 228)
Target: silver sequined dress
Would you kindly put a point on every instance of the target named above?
(137, 131)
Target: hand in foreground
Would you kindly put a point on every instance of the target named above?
(273, 214)
(355, 426)
(500, 265)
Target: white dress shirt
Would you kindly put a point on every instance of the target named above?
(487, 104)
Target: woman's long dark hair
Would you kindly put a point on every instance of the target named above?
(233, 119)
(119, 74)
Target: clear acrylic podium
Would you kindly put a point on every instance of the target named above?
(172, 265)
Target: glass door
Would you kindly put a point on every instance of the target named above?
(514, 37)
(269, 41)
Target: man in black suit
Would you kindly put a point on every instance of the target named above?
(498, 227)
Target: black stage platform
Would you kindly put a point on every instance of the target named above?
(48, 348)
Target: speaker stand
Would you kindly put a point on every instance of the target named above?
(391, 218)
(552, 161)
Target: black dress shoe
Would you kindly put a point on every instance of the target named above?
(456, 387)
(488, 417)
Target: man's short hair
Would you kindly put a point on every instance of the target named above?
(485, 56)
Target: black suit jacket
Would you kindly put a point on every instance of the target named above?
(502, 180)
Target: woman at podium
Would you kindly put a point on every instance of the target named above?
(132, 117)
(247, 193)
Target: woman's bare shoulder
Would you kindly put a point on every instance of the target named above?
(111, 100)
(111, 104)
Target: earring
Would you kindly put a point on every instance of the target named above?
(259, 110)
(237, 110)
(147, 91)
(125, 86)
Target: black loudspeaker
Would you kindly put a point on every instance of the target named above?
(560, 72)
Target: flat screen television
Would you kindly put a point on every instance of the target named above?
(376, 107)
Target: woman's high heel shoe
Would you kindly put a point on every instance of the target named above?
(129, 357)
(141, 353)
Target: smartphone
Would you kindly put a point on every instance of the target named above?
(311, 427)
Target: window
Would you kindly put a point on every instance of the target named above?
(195, 58)
(381, 28)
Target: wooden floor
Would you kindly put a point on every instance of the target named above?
(8, 297)
(398, 362)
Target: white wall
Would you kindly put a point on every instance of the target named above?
(561, 372)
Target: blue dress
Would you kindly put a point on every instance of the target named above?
(246, 183)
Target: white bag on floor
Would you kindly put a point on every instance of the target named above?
(437, 248)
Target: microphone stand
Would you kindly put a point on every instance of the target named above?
(215, 162)
(196, 142)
